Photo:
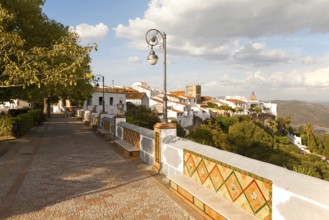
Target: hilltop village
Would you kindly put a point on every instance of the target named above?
(187, 107)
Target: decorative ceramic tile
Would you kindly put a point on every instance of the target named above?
(198, 204)
(209, 164)
(216, 178)
(190, 165)
(186, 194)
(132, 137)
(223, 191)
(244, 179)
(202, 172)
(244, 189)
(243, 202)
(233, 186)
(265, 188)
(255, 196)
(264, 213)
(209, 184)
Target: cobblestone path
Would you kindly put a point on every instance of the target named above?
(63, 170)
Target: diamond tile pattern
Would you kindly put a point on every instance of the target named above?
(250, 192)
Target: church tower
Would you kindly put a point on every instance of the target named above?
(253, 96)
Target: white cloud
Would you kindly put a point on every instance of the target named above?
(134, 59)
(318, 78)
(210, 28)
(295, 83)
(89, 32)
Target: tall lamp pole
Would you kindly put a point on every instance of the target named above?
(152, 38)
(98, 78)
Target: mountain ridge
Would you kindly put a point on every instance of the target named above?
(303, 112)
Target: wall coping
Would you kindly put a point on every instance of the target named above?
(302, 185)
(144, 131)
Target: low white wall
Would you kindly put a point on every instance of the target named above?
(294, 195)
(146, 140)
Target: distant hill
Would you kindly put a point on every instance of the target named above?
(304, 112)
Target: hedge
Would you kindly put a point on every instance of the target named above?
(25, 122)
(5, 126)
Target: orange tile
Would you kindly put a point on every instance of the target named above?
(216, 178)
(244, 179)
(185, 194)
(233, 186)
(213, 214)
(254, 196)
(265, 188)
(202, 172)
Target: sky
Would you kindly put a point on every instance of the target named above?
(277, 48)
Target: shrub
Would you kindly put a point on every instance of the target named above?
(24, 122)
(5, 126)
(15, 112)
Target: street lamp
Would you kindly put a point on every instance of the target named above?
(98, 78)
(152, 39)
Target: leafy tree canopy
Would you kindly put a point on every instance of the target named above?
(26, 60)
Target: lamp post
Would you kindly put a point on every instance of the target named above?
(152, 38)
(98, 78)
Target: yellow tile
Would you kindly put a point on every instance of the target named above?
(264, 213)
(208, 184)
(244, 179)
(196, 178)
(196, 159)
(243, 203)
(186, 155)
(224, 193)
(173, 185)
(198, 204)
(216, 178)
(266, 188)
(209, 164)
(225, 171)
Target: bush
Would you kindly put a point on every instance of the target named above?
(24, 122)
(15, 112)
(5, 126)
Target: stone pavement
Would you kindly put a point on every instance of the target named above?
(63, 170)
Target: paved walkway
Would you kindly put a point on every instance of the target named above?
(63, 170)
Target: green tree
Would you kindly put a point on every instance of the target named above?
(202, 135)
(247, 135)
(309, 132)
(38, 53)
(141, 116)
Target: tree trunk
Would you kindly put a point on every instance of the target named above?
(46, 107)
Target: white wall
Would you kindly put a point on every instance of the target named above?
(110, 109)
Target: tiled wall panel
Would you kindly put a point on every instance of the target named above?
(250, 192)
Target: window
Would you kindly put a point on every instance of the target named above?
(100, 100)
(111, 100)
(89, 102)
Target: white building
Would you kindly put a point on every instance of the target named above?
(13, 104)
(144, 87)
(137, 98)
(112, 97)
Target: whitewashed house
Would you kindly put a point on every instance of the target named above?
(144, 87)
(112, 97)
(138, 98)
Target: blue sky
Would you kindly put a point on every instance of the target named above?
(277, 48)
